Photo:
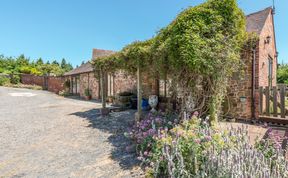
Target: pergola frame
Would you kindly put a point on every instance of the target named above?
(139, 92)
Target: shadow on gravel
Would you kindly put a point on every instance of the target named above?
(117, 123)
(75, 97)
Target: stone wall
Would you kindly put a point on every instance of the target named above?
(123, 82)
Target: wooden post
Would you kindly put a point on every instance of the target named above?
(275, 113)
(267, 97)
(139, 93)
(102, 88)
(71, 84)
(282, 100)
(261, 100)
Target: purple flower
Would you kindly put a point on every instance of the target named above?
(146, 153)
(208, 138)
(145, 134)
(196, 114)
(151, 131)
(197, 141)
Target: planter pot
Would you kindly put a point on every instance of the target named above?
(123, 101)
(88, 97)
(153, 101)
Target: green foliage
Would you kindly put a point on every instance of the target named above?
(63, 93)
(21, 64)
(194, 149)
(4, 80)
(15, 79)
(282, 74)
(199, 51)
(87, 92)
(67, 84)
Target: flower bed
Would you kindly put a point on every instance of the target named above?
(193, 149)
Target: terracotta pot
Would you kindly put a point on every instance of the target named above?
(88, 97)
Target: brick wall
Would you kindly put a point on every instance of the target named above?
(123, 82)
(88, 80)
(32, 80)
(266, 50)
(241, 85)
(54, 84)
(115, 84)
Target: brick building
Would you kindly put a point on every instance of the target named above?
(85, 77)
(259, 67)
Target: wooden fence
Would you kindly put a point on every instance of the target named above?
(272, 101)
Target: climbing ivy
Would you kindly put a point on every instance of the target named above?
(199, 51)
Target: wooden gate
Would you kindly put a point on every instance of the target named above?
(272, 107)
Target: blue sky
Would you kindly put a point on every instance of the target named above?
(56, 29)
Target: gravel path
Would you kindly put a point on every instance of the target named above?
(44, 135)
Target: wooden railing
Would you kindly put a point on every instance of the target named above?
(275, 104)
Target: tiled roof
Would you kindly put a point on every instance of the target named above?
(87, 67)
(255, 21)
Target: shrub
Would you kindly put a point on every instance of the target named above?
(192, 149)
(87, 92)
(144, 133)
(67, 84)
(4, 80)
(15, 79)
(63, 93)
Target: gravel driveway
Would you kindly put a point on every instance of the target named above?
(44, 135)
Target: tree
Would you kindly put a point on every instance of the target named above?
(22, 61)
(68, 67)
(282, 74)
(63, 63)
(56, 63)
(39, 62)
(21, 64)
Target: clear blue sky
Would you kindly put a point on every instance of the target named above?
(56, 29)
